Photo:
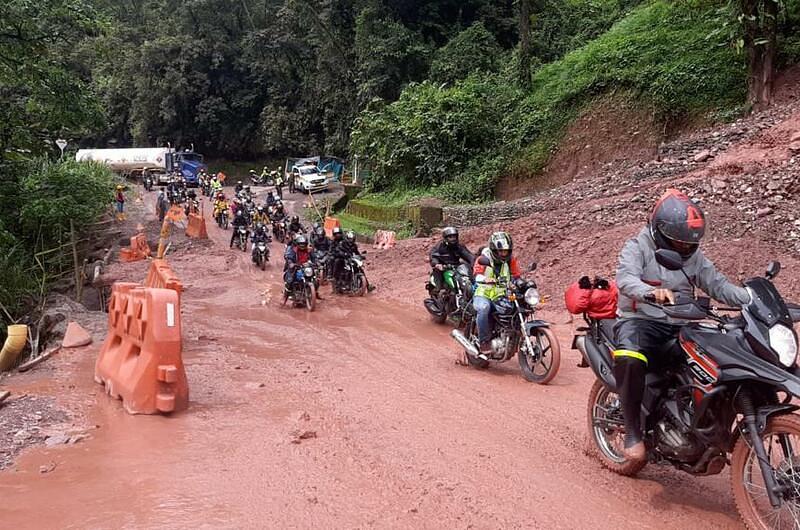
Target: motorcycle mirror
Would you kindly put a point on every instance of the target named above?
(532, 266)
(773, 269)
(669, 259)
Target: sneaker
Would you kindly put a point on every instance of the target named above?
(485, 351)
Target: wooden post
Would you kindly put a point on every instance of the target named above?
(74, 241)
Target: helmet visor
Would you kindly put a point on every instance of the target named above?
(687, 232)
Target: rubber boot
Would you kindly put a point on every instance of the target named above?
(630, 375)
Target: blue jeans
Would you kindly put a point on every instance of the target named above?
(483, 307)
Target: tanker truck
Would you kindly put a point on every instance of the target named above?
(159, 162)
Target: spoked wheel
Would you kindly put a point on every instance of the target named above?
(360, 284)
(607, 430)
(471, 331)
(540, 365)
(782, 445)
(311, 296)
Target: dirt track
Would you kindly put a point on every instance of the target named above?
(353, 416)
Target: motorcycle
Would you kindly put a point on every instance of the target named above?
(323, 262)
(724, 397)
(222, 219)
(192, 206)
(454, 298)
(353, 280)
(279, 230)
(261, 253)
(303, 290)
(515, 331)
(148, 182)
(241, 238)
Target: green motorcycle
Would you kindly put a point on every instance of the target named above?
(451, 301)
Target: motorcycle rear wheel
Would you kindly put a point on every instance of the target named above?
(546, 344)
(607, 450)
(781, 435)
(263, 264)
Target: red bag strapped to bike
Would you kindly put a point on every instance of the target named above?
(598, 298)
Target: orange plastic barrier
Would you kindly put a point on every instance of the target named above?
(161, 275)
(138, 250)
(330, 224)
(140, 361)
(196, 227)
(384, 239)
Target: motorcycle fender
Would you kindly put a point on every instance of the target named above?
(602, 365)
(764, 413)
(535, 324)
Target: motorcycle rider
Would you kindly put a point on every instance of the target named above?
(643, 331)
(253, 176)
(342, 249)
(240, 219)
(216, 186)
(494, 267)
(320, 241)
(279, 184)
(296, 254)
(220, 204)
(295, 227)
(260, 233)
(448, 252)
(260, 216)
(239, 187)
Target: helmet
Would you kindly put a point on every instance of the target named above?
(264, 169)
(350, 236)
(315, 225)
(677, 223)
(238, 182)
(301, 242)
(260, 209)
(319, 231)
(501, 242)
(221, 196)
(295, 219)
(450, 236)
(120, 187)
(247, 187)
(239, 212)
(253, 171)
(336, 232)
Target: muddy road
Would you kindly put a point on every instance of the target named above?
(355, 415)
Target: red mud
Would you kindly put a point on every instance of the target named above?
(357, 416)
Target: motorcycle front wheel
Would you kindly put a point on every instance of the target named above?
(781, 439)
(607, 430)
(360, 282)
(311, 296)
(263, 263)
(540, 365)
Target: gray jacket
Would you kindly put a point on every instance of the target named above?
(638, 274)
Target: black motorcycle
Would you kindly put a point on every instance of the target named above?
(303, 290)
(515, 331)
(261, 253)
(222, 219)
(241, 238)
(724, 396)
(453, 299)
(279, 229)
(353, 280)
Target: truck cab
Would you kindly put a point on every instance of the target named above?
(188, 163)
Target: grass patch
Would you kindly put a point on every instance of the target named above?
(366, 227)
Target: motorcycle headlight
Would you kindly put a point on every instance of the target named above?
(784, 342)
(532, 296)
(309, 272)
(262, 246)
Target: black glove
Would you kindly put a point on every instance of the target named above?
(585, 282)
(601, 283)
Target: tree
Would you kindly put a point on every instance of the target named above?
(525, 48)
(760, 24)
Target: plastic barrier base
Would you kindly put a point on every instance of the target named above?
(330, 224)
(196, 227)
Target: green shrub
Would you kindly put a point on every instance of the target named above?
(457, 141)
(471, 51)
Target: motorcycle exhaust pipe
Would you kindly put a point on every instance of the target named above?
(465, 343)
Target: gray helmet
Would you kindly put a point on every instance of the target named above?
(450, 236)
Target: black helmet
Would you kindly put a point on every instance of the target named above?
(350, 236)
(301, 242)
(500, 241)
(337, 232)
(295, 219)
(677, 223)
(450, 236)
